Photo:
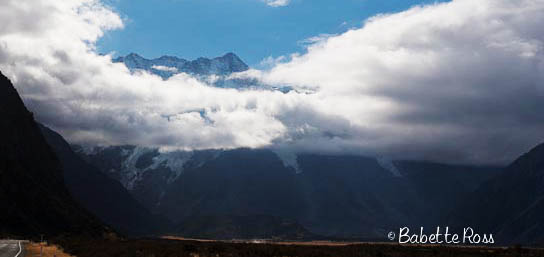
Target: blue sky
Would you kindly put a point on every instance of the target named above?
(249, 28)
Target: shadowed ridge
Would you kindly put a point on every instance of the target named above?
(511, 205)
(32, 192)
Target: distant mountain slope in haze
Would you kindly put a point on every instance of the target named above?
(101, 195)
(339, 196)
(511, 205)
(33, 197)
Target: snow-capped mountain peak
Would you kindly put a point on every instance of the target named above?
(223, 65)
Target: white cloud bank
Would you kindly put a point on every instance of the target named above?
(456, 82)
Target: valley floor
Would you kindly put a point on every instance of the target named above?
(192, 248)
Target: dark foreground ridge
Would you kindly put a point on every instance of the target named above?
(33, 196)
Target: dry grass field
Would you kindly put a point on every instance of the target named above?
(32, 249)
(179, 247)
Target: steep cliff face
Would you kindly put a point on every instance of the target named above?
(33, 197)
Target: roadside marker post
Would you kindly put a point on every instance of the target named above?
(41, 245)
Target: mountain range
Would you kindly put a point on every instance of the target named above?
(167, 66)
(215, 72)
(335, 196)
(51, 187)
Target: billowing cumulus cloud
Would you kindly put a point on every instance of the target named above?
(456, 82)
(50, 56)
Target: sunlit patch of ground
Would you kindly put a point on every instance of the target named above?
(33, 250)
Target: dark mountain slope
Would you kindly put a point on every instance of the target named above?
(32, 193)
(103, 196)
(442, 187)
(239, 182)
(340, 196)
(511, 205)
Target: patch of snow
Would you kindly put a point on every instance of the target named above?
(289, 159)
(388, 165)
(125, 152)
(172, 160)
(131, 174)
(161, 196)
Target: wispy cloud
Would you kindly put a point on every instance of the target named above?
(276, 3)
(316, 39)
